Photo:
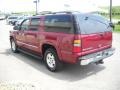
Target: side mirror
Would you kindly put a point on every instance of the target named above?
(16, 27)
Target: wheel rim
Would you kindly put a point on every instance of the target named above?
(13, 45)
(50, 60)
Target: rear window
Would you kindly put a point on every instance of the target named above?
(58, 23)
(92, 24)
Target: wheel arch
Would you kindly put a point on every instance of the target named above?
(46, 46)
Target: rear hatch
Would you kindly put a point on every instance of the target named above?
(95, 33)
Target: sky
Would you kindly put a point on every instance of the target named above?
(54, 5)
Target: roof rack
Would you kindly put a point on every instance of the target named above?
(61, 12)
(67, 12)
(45, 12)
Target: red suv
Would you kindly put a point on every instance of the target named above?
(60, 37)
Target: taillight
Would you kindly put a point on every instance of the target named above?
(76, 46)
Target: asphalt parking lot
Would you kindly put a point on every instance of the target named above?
(28, 73)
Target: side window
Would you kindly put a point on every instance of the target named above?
(58, 23)
(34, 25)
(25, 24)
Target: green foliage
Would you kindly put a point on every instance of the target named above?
(115, 12)
(117, 28)
(24, 13)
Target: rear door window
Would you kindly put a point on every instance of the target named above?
(92, 24)
(34, 24)
(58, 23)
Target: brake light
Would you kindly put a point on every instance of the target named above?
(76, 46)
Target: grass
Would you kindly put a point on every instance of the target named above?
(117, 28)
(113, 16)
(116, 16)
(115, 11)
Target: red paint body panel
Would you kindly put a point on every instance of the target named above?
(95, 42)
(63, 43)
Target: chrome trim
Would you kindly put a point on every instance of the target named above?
(94, 57)
(85, 49)
(27, 44)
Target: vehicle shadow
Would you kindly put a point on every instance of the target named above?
(68, 73)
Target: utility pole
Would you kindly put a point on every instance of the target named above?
(110, 12)
(36, 6)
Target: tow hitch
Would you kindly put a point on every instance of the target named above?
(99, 62)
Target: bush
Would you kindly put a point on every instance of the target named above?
(117, 28)
(118, 22)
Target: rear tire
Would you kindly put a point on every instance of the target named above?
(52, 61)
(14, 47)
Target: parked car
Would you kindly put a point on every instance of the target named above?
(12, 20)
(20, 19)
(2, 17)
(69, 37)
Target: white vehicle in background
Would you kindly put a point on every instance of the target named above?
(11, 20)
(2, 17)
(20, 19)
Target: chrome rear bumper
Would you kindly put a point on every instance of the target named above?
(95, 57)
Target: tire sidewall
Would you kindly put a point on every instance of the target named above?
(11, 41)
(45, 56)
